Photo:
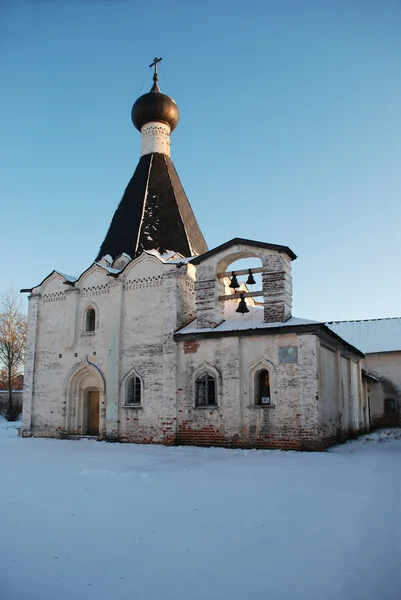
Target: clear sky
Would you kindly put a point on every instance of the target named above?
(290, 133)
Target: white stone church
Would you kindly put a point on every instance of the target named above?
(160, 340)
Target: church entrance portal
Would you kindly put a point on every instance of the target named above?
(92, 413)
(85, 394)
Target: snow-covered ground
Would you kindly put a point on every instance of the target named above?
(88, 520)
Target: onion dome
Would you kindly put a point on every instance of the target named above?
(155, 106)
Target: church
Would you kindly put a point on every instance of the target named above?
(161, 340)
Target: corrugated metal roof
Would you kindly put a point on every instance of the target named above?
(371, 335)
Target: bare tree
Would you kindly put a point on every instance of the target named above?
(12, 344)
(17, 383)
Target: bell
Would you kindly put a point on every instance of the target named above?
(242, 307)
(251, 279)
(234, 282)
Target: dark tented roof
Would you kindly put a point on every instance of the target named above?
(154, 214)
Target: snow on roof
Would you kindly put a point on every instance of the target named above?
(69, 278)
(371, 335)
(178, 261)
(109, 269)
(170, 256)
(234, 321)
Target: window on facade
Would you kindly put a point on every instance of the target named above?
(262, 388)
(389, 407)
(134, 391)
(90, 320)
(205, 390)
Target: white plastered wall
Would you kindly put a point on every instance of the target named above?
(292, 419)
(136, 316)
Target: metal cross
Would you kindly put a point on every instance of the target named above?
(154, 64)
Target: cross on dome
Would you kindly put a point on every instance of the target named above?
(155, 107)
(154, 64)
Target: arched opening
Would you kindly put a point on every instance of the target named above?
(90, 320)
(205, 390)
(262, 388)
(243, 288)
(133, 394)
(85, 390)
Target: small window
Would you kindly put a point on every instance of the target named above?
(134, 391)
(262, 388)
(205, 390)
(389, 407)
(90, 320)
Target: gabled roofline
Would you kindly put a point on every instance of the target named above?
(103, 267)
(282, 249)
(29, 290)
(121, 271)
(88, 269)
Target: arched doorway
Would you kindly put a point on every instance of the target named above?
(91, 412)
(84, 391)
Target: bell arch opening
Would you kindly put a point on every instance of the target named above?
(241, 279)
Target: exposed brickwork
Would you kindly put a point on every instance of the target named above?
(209, 309)
(190, 347)
(277, 288)
(276, 278)
(186, 310)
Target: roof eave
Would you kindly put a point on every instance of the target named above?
(318, 329)
(235, 241)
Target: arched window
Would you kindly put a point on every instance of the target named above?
(262, 388)
(205, 390)
(133, 391)
(389, 407)
(90, 320)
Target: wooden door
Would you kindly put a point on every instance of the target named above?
(93, 413)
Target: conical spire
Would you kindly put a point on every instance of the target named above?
(154, 213)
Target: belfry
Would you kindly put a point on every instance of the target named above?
(154, 213)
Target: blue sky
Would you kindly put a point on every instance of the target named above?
(290, 133)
